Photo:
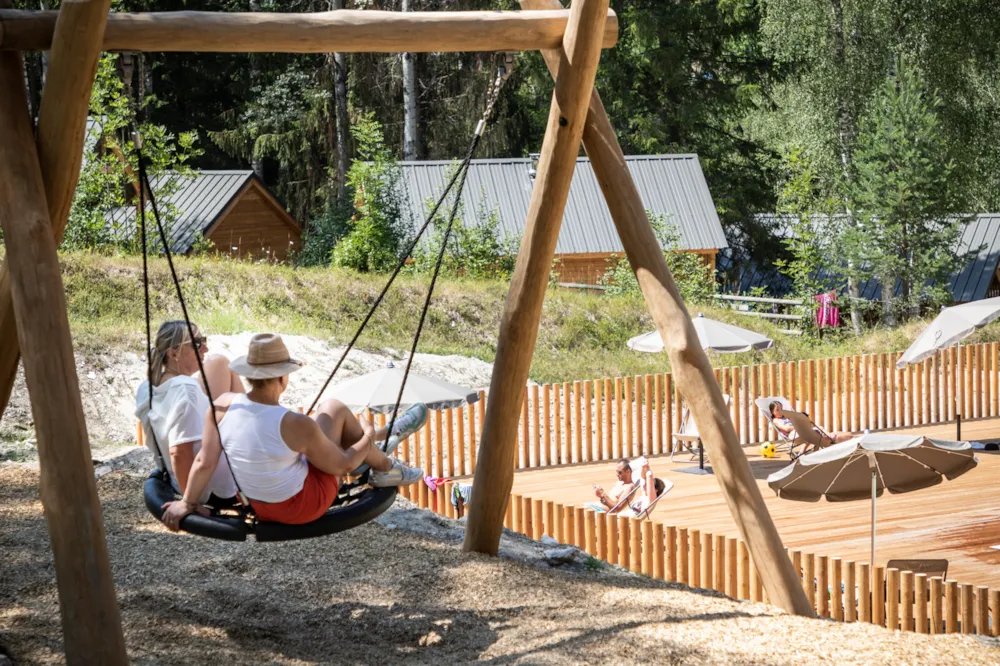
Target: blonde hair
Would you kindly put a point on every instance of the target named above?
(172, 335)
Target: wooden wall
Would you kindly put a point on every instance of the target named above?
(256, 226)
(587, 268)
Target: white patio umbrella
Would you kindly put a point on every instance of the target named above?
(949, 328)
(378, 391)
(866, 466)
(713, 335)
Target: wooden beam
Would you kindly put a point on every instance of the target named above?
(519, 325)
(323, 32)
(62, 127)
(91, 624)
(691, 368)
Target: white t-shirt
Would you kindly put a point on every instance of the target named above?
(178, 417)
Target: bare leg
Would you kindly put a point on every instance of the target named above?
(220, 378)
(339, 424)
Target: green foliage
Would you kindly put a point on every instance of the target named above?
(323, 234)
(478, 250)
(111, 161)
(907, 224)
(695, 280)
(378, 229)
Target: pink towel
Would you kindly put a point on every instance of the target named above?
(827, 314)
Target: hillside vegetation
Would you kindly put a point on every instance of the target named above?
(581, 334)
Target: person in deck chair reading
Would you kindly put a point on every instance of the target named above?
(624, 487)
(288, 464)
(784, 424)
(174, 419)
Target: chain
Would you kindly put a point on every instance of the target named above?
(504, 71)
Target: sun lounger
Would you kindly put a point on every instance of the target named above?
(807, 432)
(667, 486)
(687, 436)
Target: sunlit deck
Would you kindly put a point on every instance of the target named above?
(956, 520)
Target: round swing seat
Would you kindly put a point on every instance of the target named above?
(355, 506)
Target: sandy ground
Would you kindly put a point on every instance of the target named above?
(400, 591)
(108, 384)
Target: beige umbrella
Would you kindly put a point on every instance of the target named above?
(713, 335)
(866, 466)
(949, 328)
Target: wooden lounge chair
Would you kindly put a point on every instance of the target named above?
(687, 436)
(808, 433)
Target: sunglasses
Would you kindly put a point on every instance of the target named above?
(198, 342)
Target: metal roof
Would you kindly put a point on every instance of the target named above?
(671, 185)
(197, 200)
(979, 241)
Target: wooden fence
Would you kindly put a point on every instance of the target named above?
(606, 419)
(841, 590)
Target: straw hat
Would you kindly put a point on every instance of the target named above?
(267, 358)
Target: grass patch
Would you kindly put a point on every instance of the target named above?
(581, 334)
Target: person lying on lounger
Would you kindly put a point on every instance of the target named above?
(784, 424)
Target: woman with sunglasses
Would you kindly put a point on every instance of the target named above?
(175, 420)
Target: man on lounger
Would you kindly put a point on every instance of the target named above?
(619, 491)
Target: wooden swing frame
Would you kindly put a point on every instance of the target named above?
(38, 177)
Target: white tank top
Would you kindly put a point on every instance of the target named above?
(264, 467)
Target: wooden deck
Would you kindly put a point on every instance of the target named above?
(957, 520)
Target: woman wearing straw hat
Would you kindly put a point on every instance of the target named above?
(287, 463)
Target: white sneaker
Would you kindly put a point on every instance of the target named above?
(400, 474)
(409, 422)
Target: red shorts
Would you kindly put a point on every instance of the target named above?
(319, 490)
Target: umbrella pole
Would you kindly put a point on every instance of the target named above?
(959, 396)
(873, 519)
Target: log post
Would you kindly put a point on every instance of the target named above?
(62, 126)
(519, 325)
(91, 623)
(691, 366)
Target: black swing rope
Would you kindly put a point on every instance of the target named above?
(459, 176)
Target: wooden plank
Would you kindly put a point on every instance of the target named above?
(937, 617)
(670, 553)
(878, 596)
(694, 560)
(822, 578)
(589, 452)
(578, 447)
(647, 395)
(719, 566)
(345, 31)
(655, 546)
(920, 601)
(660, 416)
(950, 606)
(599, 448)
(809, 577)
(536, 431)
(706, 561)
(90, 619)
(609, 416)
(537, 519)
(557, 441)
(602, 537)
(568, 518)
(836, 595)
(612, 543)
(550, 519)
(580, 540)
(850, 592)
(438, 444)
(619, 446)
(527, 520)
(995, 607)
(682, 556)
(668, 412)
(568, 447)
(743, 562)
(906, 600)
(838, 395)
(732, 573)
(628, 444)
(810, 389)
(459, 415)
(967, 626)
(994, 379)
(857, 393)
(967, 372)
(982, 611)
(448, 415)
(558, 526)
(755, 436)
(639, 546)
(864, 593)
(550, 458)
(624, 543)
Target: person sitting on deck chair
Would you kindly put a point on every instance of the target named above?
(288, 464)
(174, 421)
(784, 424)
(611, 501)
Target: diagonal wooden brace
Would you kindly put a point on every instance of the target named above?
(690, 364)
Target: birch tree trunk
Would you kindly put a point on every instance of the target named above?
(411, 119)
(343, 123)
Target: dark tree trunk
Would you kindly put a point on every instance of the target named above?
(411, 113)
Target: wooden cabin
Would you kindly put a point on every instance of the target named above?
(233, 210)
